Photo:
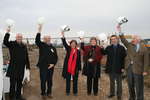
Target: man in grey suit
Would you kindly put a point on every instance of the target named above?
(136, 61)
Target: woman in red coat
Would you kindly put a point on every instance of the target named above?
(72, 65)
(92, 57)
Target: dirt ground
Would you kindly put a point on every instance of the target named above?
(32, 89)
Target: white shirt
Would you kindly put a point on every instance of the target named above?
(137, 47)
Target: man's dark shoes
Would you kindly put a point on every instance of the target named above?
(88, 93)
(67, 94)
(95, 94)
(49, 95)
(75, 94)
(119, 98)
(111, 96)
(20, 98)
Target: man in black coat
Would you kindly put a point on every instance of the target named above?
(47, 60)
(18, 60)
(115, 65)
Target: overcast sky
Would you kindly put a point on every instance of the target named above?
(94, 16)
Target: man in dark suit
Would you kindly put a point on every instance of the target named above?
(136, 62)
(115, 65)
(47, 61)
(18, 60)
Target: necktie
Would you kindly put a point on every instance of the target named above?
(135, 48)
(115, 47)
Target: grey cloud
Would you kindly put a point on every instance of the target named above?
(90, 15)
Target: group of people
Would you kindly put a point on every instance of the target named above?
(131, 58)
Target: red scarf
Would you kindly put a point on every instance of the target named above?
(72, 61)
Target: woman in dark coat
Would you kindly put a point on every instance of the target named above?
(72, 65)
(92, 57)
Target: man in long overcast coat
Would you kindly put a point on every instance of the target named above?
(18, 61)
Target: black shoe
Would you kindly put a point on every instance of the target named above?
(75, 94)
(49, 95)
(67, 94)
(43, 97)
(43, 94)
(20, 98)
(131, 98)
(13, 98)
(88, 94)
(119, 98)
(111, 96)
(95, 94)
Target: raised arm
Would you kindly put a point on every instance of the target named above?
(38, 36)
(38, 39)
(122, 37)
(82, 44)
(64, 41)
(6, 38)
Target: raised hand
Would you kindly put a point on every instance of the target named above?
(8, 29)
(118, 28)
(39, 28)
(82, 39)
(62, 33)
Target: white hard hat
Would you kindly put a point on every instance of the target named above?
(10, 22)
(41, 20)
(122, 20)
(81, 34)
(65, 28)
(102, 37)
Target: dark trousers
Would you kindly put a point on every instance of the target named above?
(115, 78)
(46, 79)
(75, 83)
(136, 85)
(15, 87)
(92, 83)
